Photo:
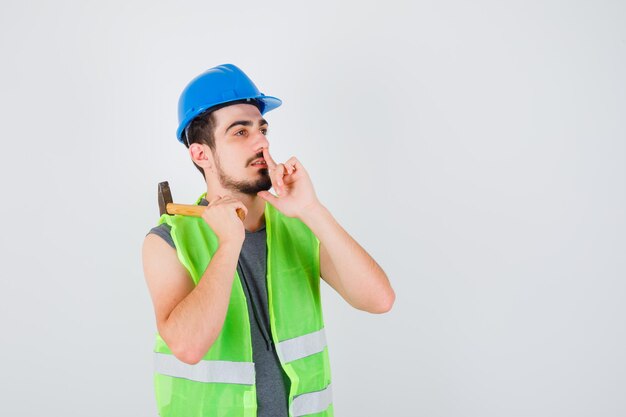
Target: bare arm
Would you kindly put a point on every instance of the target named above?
(189, 318)
(346, 266)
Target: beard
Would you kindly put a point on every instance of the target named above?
(263, 183)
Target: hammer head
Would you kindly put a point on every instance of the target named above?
(165, 197)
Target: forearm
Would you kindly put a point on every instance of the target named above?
(356, 275)
(194, 324)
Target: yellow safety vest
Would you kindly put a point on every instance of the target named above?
(222, 384)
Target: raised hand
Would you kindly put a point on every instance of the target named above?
(292, 185)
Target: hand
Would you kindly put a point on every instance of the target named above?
(221, 216)
(292, 184)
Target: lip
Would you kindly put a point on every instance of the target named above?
(264, 164)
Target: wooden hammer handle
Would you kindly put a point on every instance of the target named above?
(193, 210)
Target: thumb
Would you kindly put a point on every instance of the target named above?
(267, 196)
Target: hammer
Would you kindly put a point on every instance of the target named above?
(167, 206)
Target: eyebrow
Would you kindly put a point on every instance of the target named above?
(245, 123)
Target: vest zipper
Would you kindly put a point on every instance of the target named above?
(255, 312)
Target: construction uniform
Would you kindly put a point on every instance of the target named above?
(270, 358)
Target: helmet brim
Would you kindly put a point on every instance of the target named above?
(269, 103)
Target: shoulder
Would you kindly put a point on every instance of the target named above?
(164, 231)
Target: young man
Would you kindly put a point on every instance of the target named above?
(237, 303)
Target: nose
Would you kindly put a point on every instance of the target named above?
(260, 141)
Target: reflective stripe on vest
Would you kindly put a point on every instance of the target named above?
(302, 346)
(205, 371)
(312, 402)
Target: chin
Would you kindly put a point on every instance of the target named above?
(253, 187)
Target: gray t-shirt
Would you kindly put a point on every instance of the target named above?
(272, 384)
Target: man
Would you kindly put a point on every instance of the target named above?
(237, 303)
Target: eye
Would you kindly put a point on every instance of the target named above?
(242, 131)
(264, 131)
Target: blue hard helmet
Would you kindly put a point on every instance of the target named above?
(218, 85)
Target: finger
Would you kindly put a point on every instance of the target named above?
(267, 196)
(238, 204)
(229, 199)
(293, 161)
(279, 172)
(277, 178)
(271, 164)
(214, 199)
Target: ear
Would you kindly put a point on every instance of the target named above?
(202, 156)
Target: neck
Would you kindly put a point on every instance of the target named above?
(255, 205)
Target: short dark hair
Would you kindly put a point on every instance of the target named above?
(202, 128)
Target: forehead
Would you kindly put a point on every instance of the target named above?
(227, 115)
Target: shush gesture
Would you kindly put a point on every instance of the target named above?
(292, 185)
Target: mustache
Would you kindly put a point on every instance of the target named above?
(256, 157)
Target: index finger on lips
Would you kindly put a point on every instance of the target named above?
(271, 164)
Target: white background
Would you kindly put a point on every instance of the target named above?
(475, 149)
